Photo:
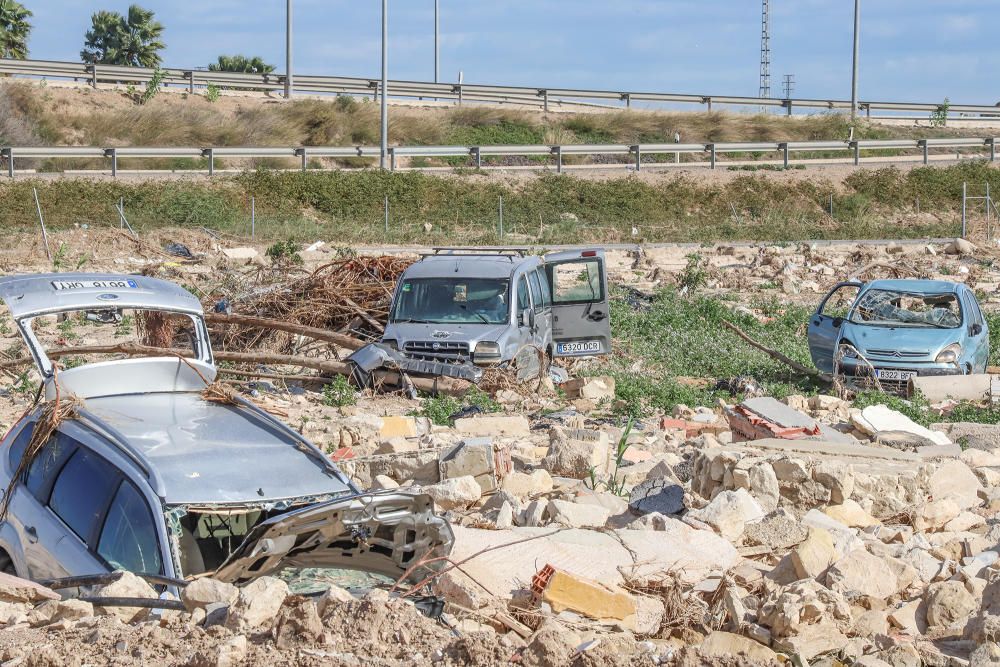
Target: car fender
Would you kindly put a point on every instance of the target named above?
(11, 543)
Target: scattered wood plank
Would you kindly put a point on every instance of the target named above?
(363, 314)
(778, 356)
(340, 339)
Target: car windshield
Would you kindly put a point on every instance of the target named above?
(453, 301)
(895, 308)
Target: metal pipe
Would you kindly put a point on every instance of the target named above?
(384, 153)
(41, 222)
(289, 82)
(854, 70)
(437, 41)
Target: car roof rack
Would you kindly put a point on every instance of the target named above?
(480, 250)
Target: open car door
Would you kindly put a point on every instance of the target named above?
(825, 323)
(385, 533)
(581, 318)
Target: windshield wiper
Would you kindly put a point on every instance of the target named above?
(409, 320)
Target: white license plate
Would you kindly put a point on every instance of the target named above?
(581, 347)
(64, 285)
(890, 374)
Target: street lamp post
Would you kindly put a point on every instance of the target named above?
(385, 80)
(288, 49)
(854, 76)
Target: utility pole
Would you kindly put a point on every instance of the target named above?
(437, 41)
(788, 86)
(288, 49)
(385, 81)
(765, 50)
(854, 76)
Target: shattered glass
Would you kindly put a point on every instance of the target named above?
(890, 307)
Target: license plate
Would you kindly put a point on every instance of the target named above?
(580, 347)
(890, 374)
(65, 285)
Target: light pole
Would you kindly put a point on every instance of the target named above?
(288, 49)
(854, 75)
(385, 80)
(437, 40)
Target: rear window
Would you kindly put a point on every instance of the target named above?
(18, 445)
(128, 539)
(47, 465)
(82, 491)
(577, 282)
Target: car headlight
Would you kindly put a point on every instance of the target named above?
(848, 351)
(391, 343)
(486, 352)
(949, 355)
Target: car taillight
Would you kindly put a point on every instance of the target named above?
(588, 253)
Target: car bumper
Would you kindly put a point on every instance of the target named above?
(864, 375)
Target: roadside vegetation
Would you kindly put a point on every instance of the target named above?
(347, 207)
(674, 350)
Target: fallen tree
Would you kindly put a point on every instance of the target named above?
(439, 385)
(778, 356)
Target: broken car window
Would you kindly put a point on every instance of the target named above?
(577, 282)
(82, 491)
(838, 304)
(452, 301)
(890, 307)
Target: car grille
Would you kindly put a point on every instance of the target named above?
(866, 381)
(898, 354)
(437, 349)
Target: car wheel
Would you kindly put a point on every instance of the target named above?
(7, 564)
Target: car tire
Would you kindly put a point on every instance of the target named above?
(7, 564)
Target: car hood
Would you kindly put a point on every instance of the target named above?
(385, 533)
(903, 342)
(445, 333)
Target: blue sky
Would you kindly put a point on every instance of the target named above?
(912, 50)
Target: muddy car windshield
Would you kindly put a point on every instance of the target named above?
(452, 301)
(892, 308)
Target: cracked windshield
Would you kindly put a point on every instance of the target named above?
(887, 307)
(452, 301)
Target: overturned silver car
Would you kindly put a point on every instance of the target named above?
(149, 476)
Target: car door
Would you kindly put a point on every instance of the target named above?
(978, 340)
(826, 322)
(578, 287)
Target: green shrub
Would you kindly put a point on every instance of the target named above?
(339, 393)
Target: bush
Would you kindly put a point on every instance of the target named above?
(339, 393)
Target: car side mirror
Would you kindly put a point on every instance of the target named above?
(838, 322)
(977, 329)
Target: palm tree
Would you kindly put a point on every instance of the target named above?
(240, 63)
(133, 41)
(14, 29)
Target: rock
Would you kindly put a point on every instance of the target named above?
(851, 514)
(576, 515)
(397, 445)
(493, 425)
(534, 513)
(812, 641)
(871, 623)
(836, 476)
(788, 609)
(240, 253)
(332, 597)
(596, 389)
(933, 515)
(550, 646)
(729, 512)
(384, 483)
(764, 486)
(954, 479)
(778, 530)
(505, 516)
(960, 247)
(257, 604)
(861, 572)
(661, 495)
(793, 471)
(15, 589)
(815, 555)
(298, 620)
(984, 437)
(205, 591)
(880, 418)
(949, 603)
(455, 493)
(226, 654)
(910, 617)
(525, 485)
(724, 644)
(573, 457)
(127, 585)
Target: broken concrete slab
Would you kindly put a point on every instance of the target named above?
(565, 591)
(661, 495)
(577, 515)
(876, 419)
(493, 425)
(721, 644)
(954, 479)
(730, 512)
(479, 458)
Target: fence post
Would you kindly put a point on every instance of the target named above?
(385, 209)
(459, 94)
(638, 157)
(392, 158)
(923, 144)
(545, 100)
(964, 193)
(93, 76)
(711, 148)
(9, 154)
(993, 149)
(121, 213)
(501, 217)
(708, 101)
(41, 223)
(253, 217)
(190, 76)
(113, 154)
(857, 153)
(301, 152)
(558, 151)
(627, 99)
(784, 149)
(210, 154)
(788, 106)
(479, 157)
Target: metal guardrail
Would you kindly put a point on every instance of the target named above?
(786, 150)
(537, 96)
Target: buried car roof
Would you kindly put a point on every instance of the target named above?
(465, 266)
(39, 293)
(211, 453)
(916, 286)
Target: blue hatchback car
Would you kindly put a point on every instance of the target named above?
(892, 330)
